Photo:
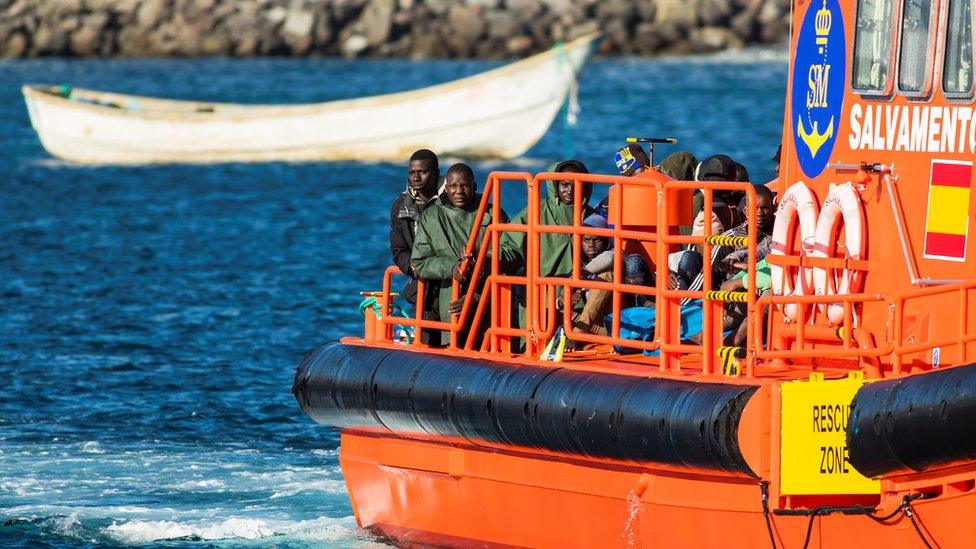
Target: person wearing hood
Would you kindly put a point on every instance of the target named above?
(555, 250)
(422, 176)
(438, 254)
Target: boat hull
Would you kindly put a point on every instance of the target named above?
(501, 113)
(452, 494)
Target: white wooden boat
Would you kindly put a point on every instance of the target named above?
(499, 113)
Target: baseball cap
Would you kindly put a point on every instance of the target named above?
(718, 167)
(631, 158)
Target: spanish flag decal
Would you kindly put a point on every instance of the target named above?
(947, 220)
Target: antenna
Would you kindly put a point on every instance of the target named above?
(650, 144)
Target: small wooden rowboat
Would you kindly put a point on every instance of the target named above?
(499, 113)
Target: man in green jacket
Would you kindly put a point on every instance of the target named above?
(438, 254)
(555, 250)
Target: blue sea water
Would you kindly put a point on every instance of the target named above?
(151, 317)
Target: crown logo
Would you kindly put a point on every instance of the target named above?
(823, 22)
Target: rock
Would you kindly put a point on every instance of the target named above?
(707, 39)
(132, 42)
(377, 21)
(438, 7)
(276, 15)
(298, 30)
(679, 12)
(647, 40)
(324, 34)
(49, 41)
(486, 4)
(562, 6)
(774, 32)
(619, 10)
(354, 45)
(86, 41)
(713, 13)
(771, 11)
(214, 44)
(524, 10)
(299, 23)
(465, 23)
(646, 11)
(502, 24)
(425, 45)
(15, 45)
(151, 12)
(518, 46)
(582, 29)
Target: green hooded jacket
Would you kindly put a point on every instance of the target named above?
(556, 250)
(441, 238)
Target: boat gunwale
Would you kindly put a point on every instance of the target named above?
(176, 109)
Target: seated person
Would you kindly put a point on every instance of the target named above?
(438, 254)
(596, 303)
(719, 167)
(740, 283)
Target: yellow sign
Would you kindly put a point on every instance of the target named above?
(813, 456)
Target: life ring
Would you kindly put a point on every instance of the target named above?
(798, 206)
(842, 207)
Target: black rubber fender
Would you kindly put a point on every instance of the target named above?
(572, 412)
(914, 423)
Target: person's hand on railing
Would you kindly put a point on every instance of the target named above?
(454, 307)
(461, 268)
(575, 298)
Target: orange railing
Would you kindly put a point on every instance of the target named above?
(770, 338)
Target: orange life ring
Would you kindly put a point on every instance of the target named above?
(797, 207)
(842, 207)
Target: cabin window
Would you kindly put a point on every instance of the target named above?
(914, 51)
(872, 45)
(957, 71)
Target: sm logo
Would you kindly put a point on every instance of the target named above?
(819, 74)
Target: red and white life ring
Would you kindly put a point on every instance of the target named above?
(797, 206)
(841, 208)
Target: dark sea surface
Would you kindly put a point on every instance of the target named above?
(151, 317)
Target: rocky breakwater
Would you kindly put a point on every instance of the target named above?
(379, 28)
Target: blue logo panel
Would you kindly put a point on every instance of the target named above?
(819, 76)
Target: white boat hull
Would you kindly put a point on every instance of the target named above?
(500, 113)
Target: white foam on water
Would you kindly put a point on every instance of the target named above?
(90, 447)
(321, 529)
(210, 484)
(328, 486)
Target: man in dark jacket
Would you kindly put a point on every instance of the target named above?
(422, 176)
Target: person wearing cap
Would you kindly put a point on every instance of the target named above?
(438, 254)
(422, 175)
(720, 167)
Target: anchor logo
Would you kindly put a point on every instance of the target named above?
(814, 139)
(818, 85)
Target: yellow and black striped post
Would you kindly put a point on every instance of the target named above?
(726, 296)
(733, 241)
(729, 356)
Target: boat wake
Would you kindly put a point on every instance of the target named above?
(72, 528)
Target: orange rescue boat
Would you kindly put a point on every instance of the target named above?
(848, 418)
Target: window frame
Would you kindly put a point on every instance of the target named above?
(935, 17)
(942, 46)
(894, 32)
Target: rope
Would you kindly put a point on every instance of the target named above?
(726, 296)
(764, 491)
(371, 303)
(723, 240)
(904, 508)
(572, 108)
